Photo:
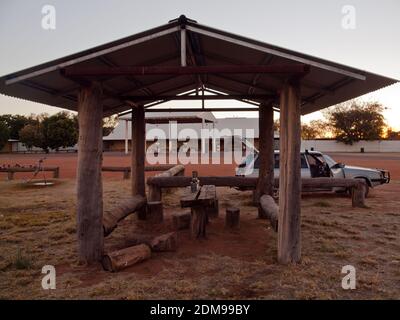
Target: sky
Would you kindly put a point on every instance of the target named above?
(310, 26)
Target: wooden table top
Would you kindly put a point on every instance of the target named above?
(205, 196)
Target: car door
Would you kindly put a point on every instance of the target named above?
(304, 171)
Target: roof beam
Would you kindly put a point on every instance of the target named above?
(292, 69)
(199, 97)
(202, 110)
(266, 61)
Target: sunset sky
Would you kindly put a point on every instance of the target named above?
(309, 26)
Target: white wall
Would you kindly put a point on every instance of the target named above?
(369, 146)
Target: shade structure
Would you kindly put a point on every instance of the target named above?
(327, 83)
(182, 60)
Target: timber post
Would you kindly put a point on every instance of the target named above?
(89, 182)
(265, 184)
(289, 237)
(138, 155)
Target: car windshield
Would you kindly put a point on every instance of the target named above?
(329, 161)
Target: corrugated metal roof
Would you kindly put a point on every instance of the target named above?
(326, 84)
(195, 117)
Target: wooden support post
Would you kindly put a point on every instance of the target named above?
(155, 212)
(89, 183)
(155, 193)
(265, 184)
(213, 211)
(126, 174)
(138, 155)
(232, 218)
(198, 222)
(358, 195)
(56, 173)
(289, 237)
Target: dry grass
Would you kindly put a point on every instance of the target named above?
(37, 227)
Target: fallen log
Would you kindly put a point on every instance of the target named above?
(165, 242)
(127, 170)
(175, 170)
(112, 217)
(121, 259)
(268, 209)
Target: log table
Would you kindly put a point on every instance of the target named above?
(199, 201)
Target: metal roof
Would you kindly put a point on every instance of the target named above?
(326, 84)
(166, 117)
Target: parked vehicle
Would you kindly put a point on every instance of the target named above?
(315, 164)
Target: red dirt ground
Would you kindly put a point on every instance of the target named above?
(67, 163)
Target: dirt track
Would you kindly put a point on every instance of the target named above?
(67, 163)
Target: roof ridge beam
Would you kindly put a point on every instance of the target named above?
(188, 70)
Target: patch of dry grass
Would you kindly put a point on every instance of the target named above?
(37, 227)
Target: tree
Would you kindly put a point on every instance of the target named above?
(30, 136)
(15, 123)
(392, 135)
(4, 134)
(356, 120)
(59, 131)
(316, 129)
(109, 125)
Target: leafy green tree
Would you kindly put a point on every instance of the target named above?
(316, 129)
(355, 121)
(15, 123)
(59, 131)
(392, 135)
(30, 136)
(4, 134)
(109, 124)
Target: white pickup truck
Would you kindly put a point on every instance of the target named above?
(315, 164)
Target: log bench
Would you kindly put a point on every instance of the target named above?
(12, 170)
(356, 186)
(199, 200)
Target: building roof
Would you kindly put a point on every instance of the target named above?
(327, 83)
(227, 127)
(166, 117)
